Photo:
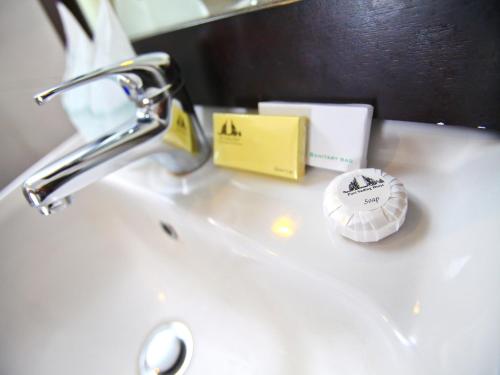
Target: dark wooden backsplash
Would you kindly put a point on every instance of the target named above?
(418, 60)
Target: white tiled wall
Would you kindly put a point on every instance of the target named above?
(31, 59)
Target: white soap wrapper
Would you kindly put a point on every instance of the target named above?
(365, 205)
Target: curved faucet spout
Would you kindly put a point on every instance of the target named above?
(166, 123)
(55, 182)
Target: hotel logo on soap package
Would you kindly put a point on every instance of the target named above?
(367, 183)
(229, 133)
(232, 132)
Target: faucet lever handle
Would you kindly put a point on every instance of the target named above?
(145, 79)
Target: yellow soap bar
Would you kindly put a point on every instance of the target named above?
(274, 145)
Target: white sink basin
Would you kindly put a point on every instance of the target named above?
(255, 274)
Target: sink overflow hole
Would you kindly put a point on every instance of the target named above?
(168, 229)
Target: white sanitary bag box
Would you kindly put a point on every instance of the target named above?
(338, 134)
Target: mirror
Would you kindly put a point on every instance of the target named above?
(145, 18)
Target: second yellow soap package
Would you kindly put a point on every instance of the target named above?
(274, 145)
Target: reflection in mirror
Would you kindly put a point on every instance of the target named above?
(144, 18)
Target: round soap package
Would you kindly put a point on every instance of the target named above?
(365, 205)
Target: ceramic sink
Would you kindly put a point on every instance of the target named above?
(248, 264)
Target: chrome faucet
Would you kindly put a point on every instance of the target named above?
(153, 82)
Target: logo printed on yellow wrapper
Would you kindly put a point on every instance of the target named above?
(229, 133)
(180, 132)
(234, 131)
(180, 122)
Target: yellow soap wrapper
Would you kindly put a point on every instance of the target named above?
(180, 131)
(273, 145)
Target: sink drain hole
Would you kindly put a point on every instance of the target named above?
(167, 350)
